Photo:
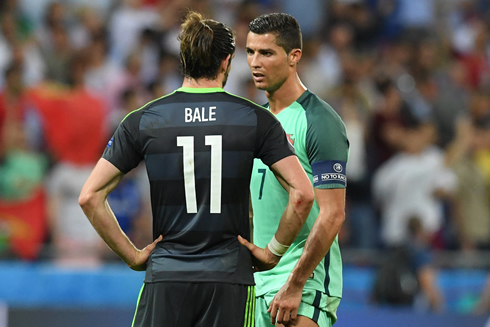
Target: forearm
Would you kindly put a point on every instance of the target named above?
(100, 215)
(317, 245)
(294, 216)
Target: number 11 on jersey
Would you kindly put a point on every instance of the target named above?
(187, 143)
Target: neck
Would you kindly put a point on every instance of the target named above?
(203, 82)
(285, 95)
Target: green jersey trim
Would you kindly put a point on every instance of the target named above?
(249, 320)
(200, 89)
(147, 105)
(330, 186)
(137, 304)
(237, 96)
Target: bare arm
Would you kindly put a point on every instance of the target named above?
(93, 200)
(291, 175)
(330, 219)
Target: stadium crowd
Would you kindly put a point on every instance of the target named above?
(410, 79)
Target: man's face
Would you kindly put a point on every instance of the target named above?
(267, 61)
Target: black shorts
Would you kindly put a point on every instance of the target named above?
(195, 305)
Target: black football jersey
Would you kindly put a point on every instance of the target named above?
(199, 145)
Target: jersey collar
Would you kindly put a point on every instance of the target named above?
(200, 89)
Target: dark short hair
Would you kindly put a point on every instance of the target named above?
(204, 43)
(284, 26)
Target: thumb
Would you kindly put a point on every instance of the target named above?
(154, 244)
(245, 243)
(157, 240)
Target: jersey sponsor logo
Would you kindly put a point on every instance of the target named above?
(110, 142)
(290, 138)
(329, 172)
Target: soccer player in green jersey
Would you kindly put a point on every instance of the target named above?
(305, 288)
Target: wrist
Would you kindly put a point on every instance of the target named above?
(277, 248)
(296, 279)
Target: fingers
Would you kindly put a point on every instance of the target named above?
(294, 314)
(158, 240)
(273, 311)
(152, 246)
(245, 243)
(281, 315)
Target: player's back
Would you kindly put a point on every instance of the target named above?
(199, 146)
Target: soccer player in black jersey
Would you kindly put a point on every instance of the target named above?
(198, 144)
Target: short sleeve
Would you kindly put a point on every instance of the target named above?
(327, 147)
(123, 149)
(272, 144)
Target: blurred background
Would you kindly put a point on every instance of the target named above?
(410, 79)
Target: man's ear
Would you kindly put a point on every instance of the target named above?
(224, 63)
(295, 56)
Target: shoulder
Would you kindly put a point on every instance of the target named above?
(135, 115)
(261, 111)
(315, 106)
(320, 116)
(319, 112)
(245, 102)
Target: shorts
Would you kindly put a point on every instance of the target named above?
(168, 304)
(315, 305)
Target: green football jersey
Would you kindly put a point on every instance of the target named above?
(320, 142)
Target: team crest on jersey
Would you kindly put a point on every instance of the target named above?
(110, 142)
(290, 138)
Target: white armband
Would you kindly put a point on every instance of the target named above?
(277, 248)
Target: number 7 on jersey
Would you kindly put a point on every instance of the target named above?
(187, 143)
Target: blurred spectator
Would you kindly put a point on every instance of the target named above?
(102, 75)
(472, 194)
(15, 51)
(385, 126)
(24, 25)
(407, 276)
(22, 170)
(413, 183)
(321, 66)
(149, 52)
(88, 26)
(482, 147)
(169, 75)
(57, 55)
(452, 102)
(55, 17)
(126, 24)
(68, 115)
(476, 61)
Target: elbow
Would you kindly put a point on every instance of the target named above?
(86, 200)
(303, 201)
(337, 217)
